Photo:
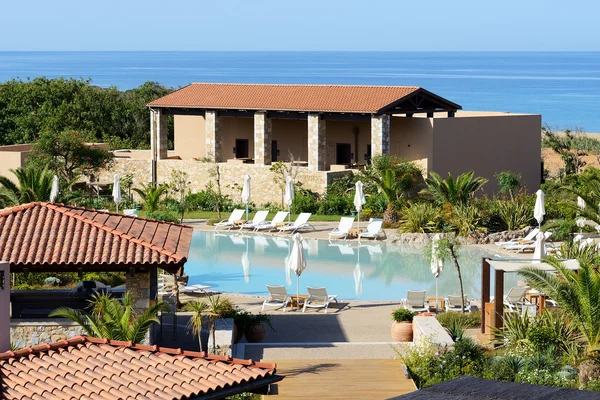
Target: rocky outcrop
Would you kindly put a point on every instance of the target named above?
(477, 237)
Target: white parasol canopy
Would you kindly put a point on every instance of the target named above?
(116, 192)
(246, 192)
(288, 196)
(437, 265)
(359, 199)
(297, 261)
(540, 248)
(55, 189)
(539, 210)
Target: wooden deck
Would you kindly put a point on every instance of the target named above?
(340, 379)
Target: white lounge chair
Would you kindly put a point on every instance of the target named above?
(259, 218)
(166, 286)
(515, 298)
(529, 238)
(373, 229)
(342, 229)
(318, 298)
(270, 225)
(300, 223)
(527, 246)
(278, 297)
(416, 301)
(453, 303)
(236, 215)
(132, 212)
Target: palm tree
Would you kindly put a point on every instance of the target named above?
(109, 318)
(576, 292)
(452, 191)
(151, 195)
(216, 307)
(446, 248)
(33, 185)
(394, 178)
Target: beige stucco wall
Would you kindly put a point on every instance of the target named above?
(236, 128)
(488, 145)
(190, 136)
(343, 132)
(291, 135)
(412, 139)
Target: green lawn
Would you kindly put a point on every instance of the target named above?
(213, 215)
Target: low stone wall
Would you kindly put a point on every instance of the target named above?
(31, 332)
(476, 238)
(264, 188)
(429, 330)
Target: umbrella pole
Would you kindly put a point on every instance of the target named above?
(436, 294)
(289, 213)
(247, 212)
(298, 293)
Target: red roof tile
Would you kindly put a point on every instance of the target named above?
(55, 237)
(90, 368)
(315, 98)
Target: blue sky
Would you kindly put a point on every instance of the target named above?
(300, 25)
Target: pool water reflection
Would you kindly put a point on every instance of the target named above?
(243, 263)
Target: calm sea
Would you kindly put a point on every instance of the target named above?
(562, 86)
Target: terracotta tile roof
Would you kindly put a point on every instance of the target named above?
(55, 237)
(316, 98)
(89, 368)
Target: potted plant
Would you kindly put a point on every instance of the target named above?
(402, 330)
(254, 327)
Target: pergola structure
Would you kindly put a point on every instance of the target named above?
(316, 104)
(501, 267)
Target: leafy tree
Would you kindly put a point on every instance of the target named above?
(109, 318)
(447, 249)
(215, 172)
(394, 177)
(454, 192)
(509, 182)
(178, 186)
(571, 147)
(151, 196)
(33, 185)
(68, 155)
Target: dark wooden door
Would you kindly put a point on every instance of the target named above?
(343, 153)
(274, 151)
(241, 148)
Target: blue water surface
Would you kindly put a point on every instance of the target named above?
(238, 263)
(562, 86)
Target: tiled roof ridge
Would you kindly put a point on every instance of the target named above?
(58, 207)
(76, 340)
(303, 85)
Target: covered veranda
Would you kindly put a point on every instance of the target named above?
(323, 126)
(492, 315)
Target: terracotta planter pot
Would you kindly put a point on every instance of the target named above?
(238, 334)
(402, 331)
(255, 334)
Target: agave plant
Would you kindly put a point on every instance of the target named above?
(33, 185)
(514, 214)
(111, 319)
(452, 191)
(151, 196)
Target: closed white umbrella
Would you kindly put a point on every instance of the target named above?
(359, 200)
(288, 196)
(246, 193)
(55, 189)
(246, 264)
(581, 203)
(297, 261)
(540, 248)
(539, 210)
(116, 192)
(437, 265)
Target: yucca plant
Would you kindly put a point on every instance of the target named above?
(513, 214)
(452, 191)
(465, 219)
(151, 196)
(33, 185)
(418, 218)
(112, 319)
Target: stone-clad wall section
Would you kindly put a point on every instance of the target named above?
(380, 134)
(25, 333)
(264, 189)
(214, 138)
(317, 145)
(262, 138)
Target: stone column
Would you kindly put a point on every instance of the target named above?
(214, 139)
(138, 285)
(262, 138)
(159, 128)
(380, 135)
(317, 146)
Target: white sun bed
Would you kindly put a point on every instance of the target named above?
(373, 229)
(278, 297)
(270, 225)
(342, 229)
(318, 298)
(416, 301)
(529, 238)
(527, 246)
(258, 219)
(236, 215)
(300, 223)
(453, 303)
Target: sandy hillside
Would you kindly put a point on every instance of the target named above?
(553, 163)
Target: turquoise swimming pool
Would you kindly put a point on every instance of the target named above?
(246, 263)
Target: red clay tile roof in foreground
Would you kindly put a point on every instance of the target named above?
(315, 98)
(89, 368)
(55, 237)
